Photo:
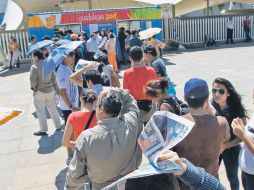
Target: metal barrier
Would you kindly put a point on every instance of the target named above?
(193, 30)
(22, 40)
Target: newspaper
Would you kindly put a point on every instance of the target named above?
(82, 63)
(162, 132)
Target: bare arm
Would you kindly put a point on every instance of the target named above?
(238, 129)
(65, 98)
(68, 131)
(237, 140)
(194, 177)
(161, 44)
(76, 77)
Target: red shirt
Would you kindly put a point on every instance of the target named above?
(78, 121)
(135, 80)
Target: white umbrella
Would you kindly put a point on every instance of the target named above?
(61, 42)
(57, 56)
(160, 2)
(148, 33)
(39, 45)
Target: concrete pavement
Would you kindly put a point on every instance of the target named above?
(29, 162)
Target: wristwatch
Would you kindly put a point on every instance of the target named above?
(70, 107)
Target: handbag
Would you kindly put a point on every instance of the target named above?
(89, 120)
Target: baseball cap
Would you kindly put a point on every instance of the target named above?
(150, 49)
(196, 88)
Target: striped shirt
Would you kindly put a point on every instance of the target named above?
(198, 179)
(62, 77)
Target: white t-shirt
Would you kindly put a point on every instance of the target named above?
(62, 77)
(230, 24)
(246, 158)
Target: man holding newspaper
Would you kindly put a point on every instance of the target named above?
(115, 139)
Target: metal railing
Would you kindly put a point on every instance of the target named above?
(193, 30)
(22, 39)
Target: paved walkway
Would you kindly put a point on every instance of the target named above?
(29, 162)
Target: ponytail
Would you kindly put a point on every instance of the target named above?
(152, 87)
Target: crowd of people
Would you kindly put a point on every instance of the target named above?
(103, 119)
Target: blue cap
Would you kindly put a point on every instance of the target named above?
(196, 88)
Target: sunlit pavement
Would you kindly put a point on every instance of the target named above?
(29, 162)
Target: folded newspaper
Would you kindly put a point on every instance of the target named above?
(163, 131)
(82, 63)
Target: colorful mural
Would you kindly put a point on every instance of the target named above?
(44, 23)
(49, 20)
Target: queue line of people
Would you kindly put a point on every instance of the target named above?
(106, 129)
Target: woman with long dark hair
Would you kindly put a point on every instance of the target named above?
(228, 104)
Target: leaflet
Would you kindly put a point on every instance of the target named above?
(162, 132)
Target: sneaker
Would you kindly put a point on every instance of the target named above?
(68, 160)
(40, 133)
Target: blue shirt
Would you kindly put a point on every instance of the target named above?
(198, 179)
(92, 45)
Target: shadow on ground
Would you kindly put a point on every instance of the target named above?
(22, 69)
(60, 179)
(48, 144)
(168, 62)
(47, 113)
(219, 46)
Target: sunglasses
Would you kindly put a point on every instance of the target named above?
(221, 91)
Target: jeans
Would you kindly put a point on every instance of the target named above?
(248, 181)
(230, 159)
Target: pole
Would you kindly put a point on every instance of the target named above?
(165, 17)
(89, 4)
(207, 7)
(173, 11)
